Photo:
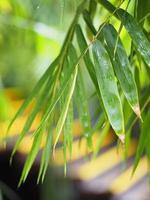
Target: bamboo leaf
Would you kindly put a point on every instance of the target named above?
(142, 10)
(58, 95)
(90, 67)
(82, 101)
(122, 67)
(68, 136)
(82, 105)
(138, 37)
(86, 16)
(83, 46)
(32, 155)
(36, 109)
(108, 88)
(65, 108)
(46, 156)
(92, 8)
(34, 92)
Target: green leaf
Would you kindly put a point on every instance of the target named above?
(82, 106)
(32, 155)
(40, 102)
(83, 46)
(88, 21)
(144, 101)
(65, 107)
(89, 65)
(92, 8)
(67, 135)
(144, 136)
(138, 37)
(108, 88)
(58, 95)
(82, 101)
(142, 10)
(46, 156)
(35, 91)
(121, 66)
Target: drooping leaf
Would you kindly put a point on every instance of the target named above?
(83, 46)
(83, 108)
(82, 102)
(68, 136)
(65, 108)
(32, 155)
(138, 37)
(142, 10)
(58, 95)
(108, 88)
(88, 21)
(92, 8)
(121, 66)
(46, 156)
(35, 91)
(34, 113)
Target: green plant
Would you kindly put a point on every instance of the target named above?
(118, 66)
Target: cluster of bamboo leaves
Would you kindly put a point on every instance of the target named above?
(62, 89)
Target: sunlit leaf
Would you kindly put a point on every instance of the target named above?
(122, 66)
(65, 107)
(108, 88)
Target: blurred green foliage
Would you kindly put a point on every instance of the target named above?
(31, 33)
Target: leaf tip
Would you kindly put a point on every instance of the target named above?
(137, 111)
(122, 138)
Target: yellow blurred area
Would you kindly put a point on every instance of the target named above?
(5, 6)
(79, 147)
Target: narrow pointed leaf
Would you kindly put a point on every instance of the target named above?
(92, 8)
(35, 91)
(36, 109)
(142, 10)
(46, 156)
(65, 108)
(82, 105)
(108, 88)
(68, 136)
(32, 155)
(82, 102)
(58, 95)
(88, 21)
(121, 66)
(138, 37)
(83, 46)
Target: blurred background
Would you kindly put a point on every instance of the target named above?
(31, 35)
